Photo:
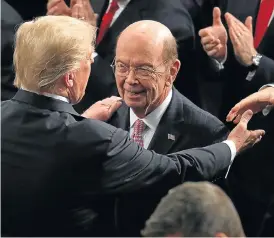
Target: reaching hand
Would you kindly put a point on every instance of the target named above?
(241, 36)
(103, 110)
(256, 102)
(242, 137)
(214, 38)
(57, 8)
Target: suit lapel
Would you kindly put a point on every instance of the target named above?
(267, 41)
(167, 132)
(120, 119)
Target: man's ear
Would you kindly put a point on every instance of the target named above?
(68, 80)
(174, 69)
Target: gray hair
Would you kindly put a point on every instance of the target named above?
(194, 210)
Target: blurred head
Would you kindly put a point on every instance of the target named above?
(53, 54)
(194, 210)
(146, 65)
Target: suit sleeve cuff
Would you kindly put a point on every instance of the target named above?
(233, 151)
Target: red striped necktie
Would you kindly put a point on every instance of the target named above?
(107, 19)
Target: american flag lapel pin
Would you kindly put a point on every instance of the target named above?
(170, 137)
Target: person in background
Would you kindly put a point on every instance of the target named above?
(10, 19)
(196, 209)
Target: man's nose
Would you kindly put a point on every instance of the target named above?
(131, 79)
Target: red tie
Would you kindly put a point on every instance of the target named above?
(138, 129)
(265, 12)
(107, 19)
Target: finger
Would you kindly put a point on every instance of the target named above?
(210, 47)
(233, 113)
(207, 39)
(76, 11)
(237, 119)
(212, 52)
(205, 32)
(217, 17)
(54, 11)
(72, 3)
(234, 38)
(247, 115)
(114, 107)
(53, 3)
(248, 24)
(257, 135)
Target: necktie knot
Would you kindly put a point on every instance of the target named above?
(138, 129)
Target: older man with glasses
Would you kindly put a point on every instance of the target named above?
(156, 115)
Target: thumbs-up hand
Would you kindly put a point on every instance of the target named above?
(241, 35)
(214, 38)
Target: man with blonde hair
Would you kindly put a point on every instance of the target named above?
(61, 171)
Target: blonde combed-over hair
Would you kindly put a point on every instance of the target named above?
(49, 47)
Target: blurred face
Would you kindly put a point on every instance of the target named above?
(141, 73)
(81, 77)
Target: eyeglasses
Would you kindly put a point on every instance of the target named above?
(145, 72)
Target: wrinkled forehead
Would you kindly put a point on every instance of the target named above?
(139, 47)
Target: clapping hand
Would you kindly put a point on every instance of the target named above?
(214, 38)
(241, 36)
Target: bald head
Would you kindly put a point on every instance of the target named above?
(195, 210)
(151, 33)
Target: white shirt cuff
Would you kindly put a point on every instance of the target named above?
(233, 151)
(94, 54)
(268, 108)
(219, 65)
(250, 75)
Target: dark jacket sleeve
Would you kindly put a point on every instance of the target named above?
(129, 167)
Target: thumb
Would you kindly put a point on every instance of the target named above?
(217, 17)
(247, 115)
(248, 24)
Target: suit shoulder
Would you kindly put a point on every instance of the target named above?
(195, 115)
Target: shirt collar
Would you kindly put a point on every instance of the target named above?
(121, 3)
(152, 119)
(58, 97)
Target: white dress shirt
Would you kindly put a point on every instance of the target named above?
(122, 5)
(152, 120)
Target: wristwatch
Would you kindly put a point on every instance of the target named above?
(255, 62)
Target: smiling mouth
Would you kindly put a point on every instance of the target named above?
(135, 93)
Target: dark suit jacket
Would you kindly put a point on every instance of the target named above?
(9, 20)
(191, 126)
(170, 13)
(60, 172)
